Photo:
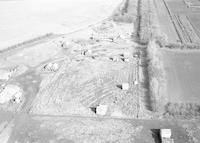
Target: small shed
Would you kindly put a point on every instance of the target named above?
(101, 110)
(125, 86)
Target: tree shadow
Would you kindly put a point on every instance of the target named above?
(145, 84)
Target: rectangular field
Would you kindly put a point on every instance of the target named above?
(165, 23)
(183, 80)
(185, 19)
(195, 22)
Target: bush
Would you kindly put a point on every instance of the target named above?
(156, 75)
(161, 40)
(122, 14)
(126, 18)
(182, 109)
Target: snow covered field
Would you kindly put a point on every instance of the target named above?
(21, 20)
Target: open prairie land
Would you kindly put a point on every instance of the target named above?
(184, 18)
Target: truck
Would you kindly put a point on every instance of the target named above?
(165, 135)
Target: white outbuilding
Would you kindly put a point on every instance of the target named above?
(125, 86)
(101, 110)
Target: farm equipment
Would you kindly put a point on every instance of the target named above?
(165, 135)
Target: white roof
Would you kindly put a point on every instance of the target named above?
(166, 133)
(101, 109)
(125, 86)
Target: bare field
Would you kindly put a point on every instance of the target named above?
(92, 130)
(195, 20)
(74, 73)
(182, 75)
(185, 20)
(92, 65)
(83, 82)
(165, 23)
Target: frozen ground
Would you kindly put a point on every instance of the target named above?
(25, 19)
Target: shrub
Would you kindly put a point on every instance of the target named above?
(182, 109)
(156, 76)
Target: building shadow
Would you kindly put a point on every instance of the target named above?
(156, 135)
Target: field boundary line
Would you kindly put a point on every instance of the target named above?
(171, 17)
